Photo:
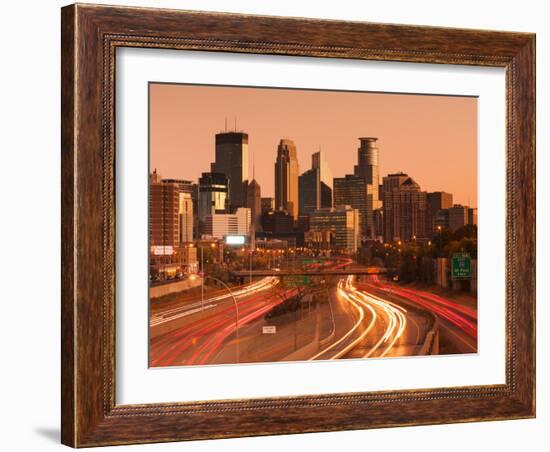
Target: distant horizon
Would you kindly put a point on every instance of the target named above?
(432, 139)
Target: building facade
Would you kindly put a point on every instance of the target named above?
(320, 241)
(286, 178)
(277, 222)
(213, 195)
(164, 228)
(220, 225)
(436, 201)
(353, 191)
(254, 203)
(404, 208)
(318, 161)
(472, 216)
(186, 217)
(361, 190)
(232, 160)
(164, 200)
(458, 216)
(367, 166)
(441, 220)
(187, 186)
(267, 204)
(339, 224)
(309, 191)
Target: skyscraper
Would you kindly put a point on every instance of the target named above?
(404, 208)
(232, 160)
(367, 169)
(309, 191)
(213, 194)
(352, 191)
(325, 176)
(286, 178)
(254, 203)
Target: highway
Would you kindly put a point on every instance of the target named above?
(335, 317)
(382, 328)
(206, 328)
(458, 323)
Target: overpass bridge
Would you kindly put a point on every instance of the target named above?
(310, 272)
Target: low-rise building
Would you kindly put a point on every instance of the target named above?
(220, 225)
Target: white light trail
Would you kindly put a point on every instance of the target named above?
(182, 311)
(396, 320)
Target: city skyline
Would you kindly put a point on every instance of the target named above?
(455, 118)
(266, 249)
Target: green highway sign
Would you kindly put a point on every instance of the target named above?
(461, 266)
(310, 261)
(296, 280)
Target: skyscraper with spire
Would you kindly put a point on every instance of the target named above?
(286, 178)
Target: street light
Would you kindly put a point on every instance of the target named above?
(212, 245)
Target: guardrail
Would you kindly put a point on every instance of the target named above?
(431, 342)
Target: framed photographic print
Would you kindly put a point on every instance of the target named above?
(282, 225)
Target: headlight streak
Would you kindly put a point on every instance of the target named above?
(397, 321)
(361, 300)
(175, 313)
(361, 312)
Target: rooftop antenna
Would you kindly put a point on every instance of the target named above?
(235, 123)
(226, 123)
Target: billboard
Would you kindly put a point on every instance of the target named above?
(235, 240)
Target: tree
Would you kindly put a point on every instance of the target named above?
(468, 231)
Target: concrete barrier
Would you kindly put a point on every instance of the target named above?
(431, 342)
(173, 287)
(308, 350)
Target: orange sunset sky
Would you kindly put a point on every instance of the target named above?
(431, 138)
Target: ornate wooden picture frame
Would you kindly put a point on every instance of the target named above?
(90, 37)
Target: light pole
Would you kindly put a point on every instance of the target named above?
(440, 240)
(202, 279)
(212, 245)
(250, 282)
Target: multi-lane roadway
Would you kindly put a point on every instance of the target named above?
(336, 317)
